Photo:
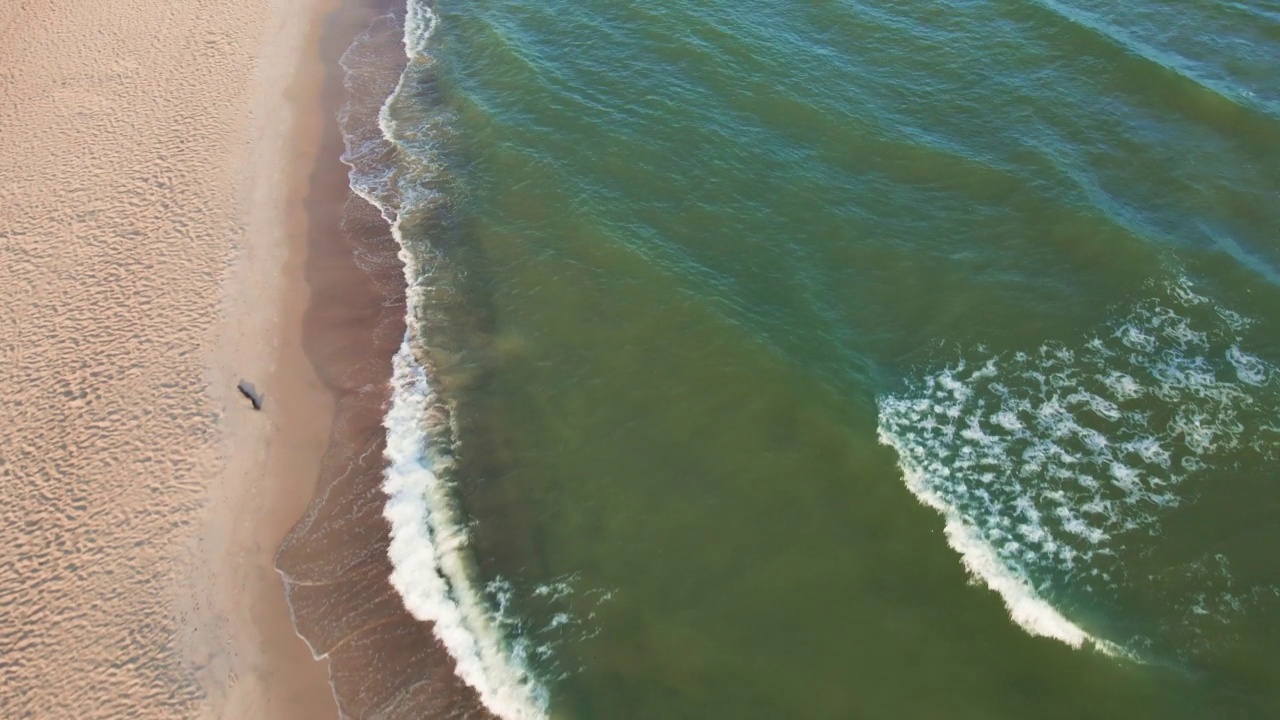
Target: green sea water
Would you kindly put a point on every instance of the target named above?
(857, 358)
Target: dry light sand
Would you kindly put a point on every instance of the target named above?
(151, 251)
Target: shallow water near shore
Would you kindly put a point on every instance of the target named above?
(844, 360)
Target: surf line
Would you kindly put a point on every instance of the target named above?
(432, 570)
(1026, 608)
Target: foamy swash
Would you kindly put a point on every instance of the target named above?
(1053, 467)
(429, 551)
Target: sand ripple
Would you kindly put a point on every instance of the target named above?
(121, 126)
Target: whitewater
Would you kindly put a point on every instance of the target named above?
(1054, 467)
(432, 568)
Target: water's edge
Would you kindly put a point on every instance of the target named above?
(432, 568)
(335, 562)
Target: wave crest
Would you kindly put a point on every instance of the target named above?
(432, 568)
(1054, 468)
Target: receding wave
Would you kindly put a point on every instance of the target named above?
(432, 569)
(1056, 468)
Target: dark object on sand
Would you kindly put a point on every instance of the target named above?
(246, 389)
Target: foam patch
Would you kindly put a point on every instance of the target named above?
(1055, 467)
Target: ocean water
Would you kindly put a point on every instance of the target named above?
(837, 359)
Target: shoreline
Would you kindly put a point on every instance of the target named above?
(271, 672)
(339, 319)
(176, 219)
(334, 562)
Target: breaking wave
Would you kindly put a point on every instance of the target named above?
(433, 571)
(1055, 469)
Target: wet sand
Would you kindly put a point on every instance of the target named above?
(156, 229)
(383, 662)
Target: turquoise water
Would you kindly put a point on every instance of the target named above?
(843, 359)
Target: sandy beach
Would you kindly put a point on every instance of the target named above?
(156, 221)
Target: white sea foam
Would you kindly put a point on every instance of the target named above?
(1249, 369)
(429, 552)
(1051, 466)
(432, 568)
